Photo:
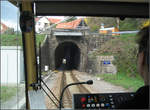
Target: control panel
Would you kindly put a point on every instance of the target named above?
(100, 101)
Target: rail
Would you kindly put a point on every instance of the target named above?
(67, 78)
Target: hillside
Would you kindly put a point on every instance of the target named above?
(124, 49)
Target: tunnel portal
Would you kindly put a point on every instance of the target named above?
(70, 52)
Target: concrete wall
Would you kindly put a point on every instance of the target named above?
(105, 65)
(100, 64)
(12, 68)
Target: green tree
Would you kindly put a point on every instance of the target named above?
(131, 24)
(95, 22)
(109, 21)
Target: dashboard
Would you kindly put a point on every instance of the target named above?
(100, 100)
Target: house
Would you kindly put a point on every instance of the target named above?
(110, 30)
(75, 24)
(43, 22)
(4, 28)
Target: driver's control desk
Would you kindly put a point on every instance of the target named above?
(100, 101)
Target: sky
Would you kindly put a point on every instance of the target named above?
(9, 14)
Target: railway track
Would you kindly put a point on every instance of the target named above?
(67, 78)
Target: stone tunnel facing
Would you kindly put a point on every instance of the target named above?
(71, 53)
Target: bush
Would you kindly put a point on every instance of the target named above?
(126, 62)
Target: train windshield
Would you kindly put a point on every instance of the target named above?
(81, 48)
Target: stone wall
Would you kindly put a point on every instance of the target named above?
(86, 44)
(55, 41)
(91, 65)
(94, 41)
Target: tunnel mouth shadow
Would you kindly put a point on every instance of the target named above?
(71, 53)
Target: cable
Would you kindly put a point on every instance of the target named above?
(49, 96)
(50, 90)
(89, 82)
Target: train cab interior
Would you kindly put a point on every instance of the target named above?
(68, 51)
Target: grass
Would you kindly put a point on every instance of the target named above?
(39, 39)
(14, 40)
(131, 83)
(44, 73)
(7, 92)
(125, 36)
(11, 40)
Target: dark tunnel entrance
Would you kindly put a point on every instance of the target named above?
(70, 52)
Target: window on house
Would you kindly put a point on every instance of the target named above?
(46, 24)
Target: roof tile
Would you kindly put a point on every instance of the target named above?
(53, 20)
(69, 25)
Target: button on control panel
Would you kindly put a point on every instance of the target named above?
(97, 101)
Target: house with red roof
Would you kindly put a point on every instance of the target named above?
(75, 24)
(4, 28)
(41, 23)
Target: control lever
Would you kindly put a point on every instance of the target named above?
(89, 82)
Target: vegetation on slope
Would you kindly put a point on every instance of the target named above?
(128, 24)
(124, 49)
